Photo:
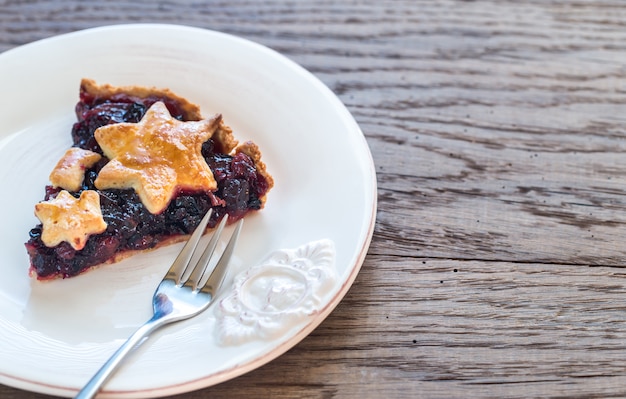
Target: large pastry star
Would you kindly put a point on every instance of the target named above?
(70, 219)
(157, 157)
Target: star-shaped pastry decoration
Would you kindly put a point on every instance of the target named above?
(157, 157)
(65, 218)
(70, 170)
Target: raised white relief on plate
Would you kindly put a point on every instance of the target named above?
(270, 298)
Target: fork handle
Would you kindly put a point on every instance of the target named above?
(95, 383)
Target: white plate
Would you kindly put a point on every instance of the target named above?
(54, 335)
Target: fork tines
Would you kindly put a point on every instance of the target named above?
(188, 269)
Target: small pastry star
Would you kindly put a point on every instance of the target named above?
(157, 157)
(70, 170)
(66, 218)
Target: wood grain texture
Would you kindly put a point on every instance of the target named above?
(498, 133)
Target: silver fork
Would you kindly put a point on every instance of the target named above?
(183, 293)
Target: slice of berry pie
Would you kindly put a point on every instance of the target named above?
(144, 169)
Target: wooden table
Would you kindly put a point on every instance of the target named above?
(499, 136)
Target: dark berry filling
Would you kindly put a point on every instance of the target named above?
(130, 225)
